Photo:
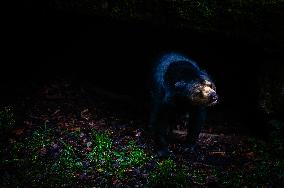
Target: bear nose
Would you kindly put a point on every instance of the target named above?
(213, 97)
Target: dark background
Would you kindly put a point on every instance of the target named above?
(42, 43)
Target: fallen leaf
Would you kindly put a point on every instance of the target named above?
(218, 153)
(249, 154)
(74, 129)
(19, 131)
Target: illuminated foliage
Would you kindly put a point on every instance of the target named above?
(167, 174)
(101, 154)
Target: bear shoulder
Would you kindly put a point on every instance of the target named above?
(172, 67)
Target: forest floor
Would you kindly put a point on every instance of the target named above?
(77, 138)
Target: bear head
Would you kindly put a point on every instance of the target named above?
(203, 93)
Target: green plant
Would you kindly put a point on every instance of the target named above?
(130, 156)
(101, 154)
(39, 140)
(110, 161)
(168, 175)
(68, 163)
(50, 160)
(198, 176)
(46, 168)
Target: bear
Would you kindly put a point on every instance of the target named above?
(179, 86)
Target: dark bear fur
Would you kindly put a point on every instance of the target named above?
(179, 86)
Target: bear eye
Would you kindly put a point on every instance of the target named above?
(200, 93)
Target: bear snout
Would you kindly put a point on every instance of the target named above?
(213, 98)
